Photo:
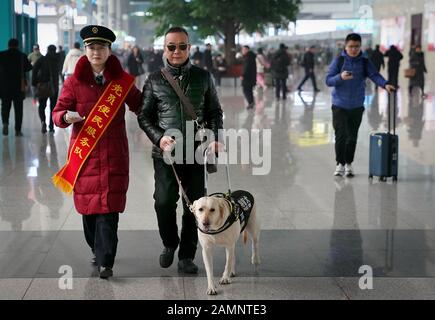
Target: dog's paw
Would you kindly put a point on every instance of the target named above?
(224, 280)
(211, 291)
(255, 260)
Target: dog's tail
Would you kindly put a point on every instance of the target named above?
(245, 237)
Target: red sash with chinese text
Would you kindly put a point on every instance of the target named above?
(93, 129)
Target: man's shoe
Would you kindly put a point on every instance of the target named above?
(5, 131)
(348, 170)
(105, 272)
(316, 90)
(167, 257)
(51, 130)
(250, 106)
(18, 134)
(187, 266)
(339, 170)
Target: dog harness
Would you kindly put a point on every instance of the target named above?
(241, 203)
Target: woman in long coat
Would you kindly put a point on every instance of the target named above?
(101, 185)
(417, 62)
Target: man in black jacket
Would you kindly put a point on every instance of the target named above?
(308, 63)
(46, 71)
(13, 66)
(161, 112)
(280, 63)
(249, 76)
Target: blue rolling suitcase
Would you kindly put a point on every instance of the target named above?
(384, 148)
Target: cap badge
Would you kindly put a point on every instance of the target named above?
(95, 30)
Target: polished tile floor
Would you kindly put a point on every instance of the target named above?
(317, 230)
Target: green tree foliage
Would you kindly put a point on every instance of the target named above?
(225, 18)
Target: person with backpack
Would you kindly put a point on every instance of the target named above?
(45, 78)
(347, 74)
(279, 67)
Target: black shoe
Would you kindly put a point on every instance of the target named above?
(51, 130)
(18, 134)
(105, 272)
(250, 106)
(5, 131)
(187, 266)
(300, 89)
(167, 257)
(43, 128)
(316, 90)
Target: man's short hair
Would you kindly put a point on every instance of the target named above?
(247, 47)
(77, 45)
(13, 43)
(177, 30)
(36, 46)
(353, 37)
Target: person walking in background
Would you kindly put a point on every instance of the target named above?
(347, 74)
(208, 58)
(249, 75)
(34, 55)
(61, 59)
(197, 57)
(279, 67)
(262, 66)
(13, 66)
(417, 62)
(377, 58)
(45, 74)
(71, 60)
(98, 160)
(308, 63)
(135, 64)
(220, 67)
(394, 57)
(155, 61)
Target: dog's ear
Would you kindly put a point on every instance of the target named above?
(193, 206)
(222, 208)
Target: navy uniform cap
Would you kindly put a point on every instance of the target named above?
(94, 33)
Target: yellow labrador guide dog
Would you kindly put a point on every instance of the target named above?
(220, 221)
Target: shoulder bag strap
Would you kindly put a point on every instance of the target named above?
(185, 101)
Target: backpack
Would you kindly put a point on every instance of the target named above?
(340, 64)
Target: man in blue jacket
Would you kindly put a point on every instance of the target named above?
(347, 74)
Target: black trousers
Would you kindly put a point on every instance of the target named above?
(393, 76)
(18, 108)
(248, 92)
(166, 195)
(346, 125)
(281, 86)
(43, 105)
(308, 75)
(101, 235)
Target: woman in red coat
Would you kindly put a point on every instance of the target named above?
(98, 159)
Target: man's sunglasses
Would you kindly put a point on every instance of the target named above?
(181, 46)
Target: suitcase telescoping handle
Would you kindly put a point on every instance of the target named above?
(392, 105)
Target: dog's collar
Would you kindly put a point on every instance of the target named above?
(233, 217)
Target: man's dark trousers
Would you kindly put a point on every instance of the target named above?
(346, 124)
(166, 195)
(308, 75)
(18, 108)
(248, 92)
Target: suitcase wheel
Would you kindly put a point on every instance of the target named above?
(370, 176)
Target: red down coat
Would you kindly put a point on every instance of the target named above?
(102, 183)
